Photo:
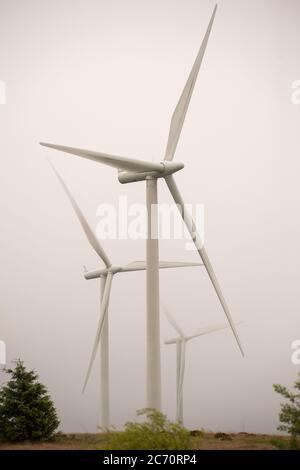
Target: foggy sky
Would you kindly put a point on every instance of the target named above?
(106, 76)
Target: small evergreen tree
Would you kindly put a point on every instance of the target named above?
(26, 409)
(290, 412)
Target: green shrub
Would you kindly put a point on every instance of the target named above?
(289, 415)
(284, 445)
(26, 409)
(156, 433)
(279, 444)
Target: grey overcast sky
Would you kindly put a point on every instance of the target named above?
(106, 75)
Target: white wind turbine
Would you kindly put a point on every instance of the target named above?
(131, 170)
(106, 276)
(181, 341)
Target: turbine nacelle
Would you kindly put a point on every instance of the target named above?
(177, 340)
(167, 169)
(102, 272)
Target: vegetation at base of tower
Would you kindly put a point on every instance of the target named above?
(157, 432)
(289, 415)
(26, 409)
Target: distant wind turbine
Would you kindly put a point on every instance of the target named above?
(106, 275)
(181, 341)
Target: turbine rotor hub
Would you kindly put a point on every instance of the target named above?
(167, 169)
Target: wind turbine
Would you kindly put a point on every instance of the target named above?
(132, 170)
(181, 341)
(106, 276)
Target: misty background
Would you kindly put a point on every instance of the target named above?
(107, 75)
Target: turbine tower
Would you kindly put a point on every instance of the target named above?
(106, 276)
(181, 340)
(132, 170)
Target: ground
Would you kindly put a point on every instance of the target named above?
(210, 441)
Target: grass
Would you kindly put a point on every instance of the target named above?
(209, 441)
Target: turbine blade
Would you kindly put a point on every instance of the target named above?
(181, 380)
(183, 103)
(178, 369)
(173, 322)
(201, 250)
(209, 329)
(94, 242)
(121, 163)
(177, 264)
(134, 266)
(103, 314)
(142, 266)
(200, 332)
